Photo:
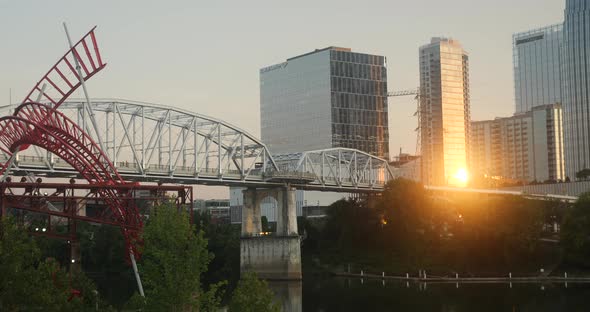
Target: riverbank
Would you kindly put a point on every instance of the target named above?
(547, 269)
(458, 279)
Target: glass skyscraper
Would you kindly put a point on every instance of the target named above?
(537, 67)
(331, 97)
(445, 114)
(576, 85)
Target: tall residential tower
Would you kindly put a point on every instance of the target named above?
(445, 115)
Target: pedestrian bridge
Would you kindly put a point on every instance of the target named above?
(156, 143)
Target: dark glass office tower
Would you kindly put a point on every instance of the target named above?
(359, 102)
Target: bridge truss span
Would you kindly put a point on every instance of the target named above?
(154, 143)
(338, 168)
(150, 142)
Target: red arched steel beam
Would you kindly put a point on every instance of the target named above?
(43, 126)
(17, 131)
(56, 121)
(63, 76)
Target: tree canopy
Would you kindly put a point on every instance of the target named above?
(409, 228)
(29, 282)
(176, 258)
(252, 295)
(575, 232)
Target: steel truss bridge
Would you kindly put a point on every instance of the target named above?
(155, 143)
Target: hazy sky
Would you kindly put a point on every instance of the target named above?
(205, 56)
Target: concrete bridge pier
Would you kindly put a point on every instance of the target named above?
(271, 257)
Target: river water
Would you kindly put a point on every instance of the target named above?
(344, 294)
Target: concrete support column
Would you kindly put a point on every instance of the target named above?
(287, 212)
(274, 257)
(251, 216)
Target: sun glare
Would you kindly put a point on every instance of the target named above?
(461, 176)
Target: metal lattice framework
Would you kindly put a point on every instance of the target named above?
(338, 168)
(62, 79)
(39, 125)
(51, 205)
(149, 142)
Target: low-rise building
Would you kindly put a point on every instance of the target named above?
(218, 209)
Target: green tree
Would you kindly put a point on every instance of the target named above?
(497, 233)
(411, 228)
(174, 257)
(252, 295)
(103, 253)
(411, 219)
(350, 226)
(29, 283)
(223, 240)
(575, 231)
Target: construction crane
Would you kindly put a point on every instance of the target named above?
(415, 92)
(417, 96)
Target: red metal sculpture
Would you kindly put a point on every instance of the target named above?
(60, 75)
(42, 125)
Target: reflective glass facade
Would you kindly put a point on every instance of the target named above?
(328, 98)
(576, 85)
(445, 114)
(537, 67)
(359, 102)
(295, 97)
